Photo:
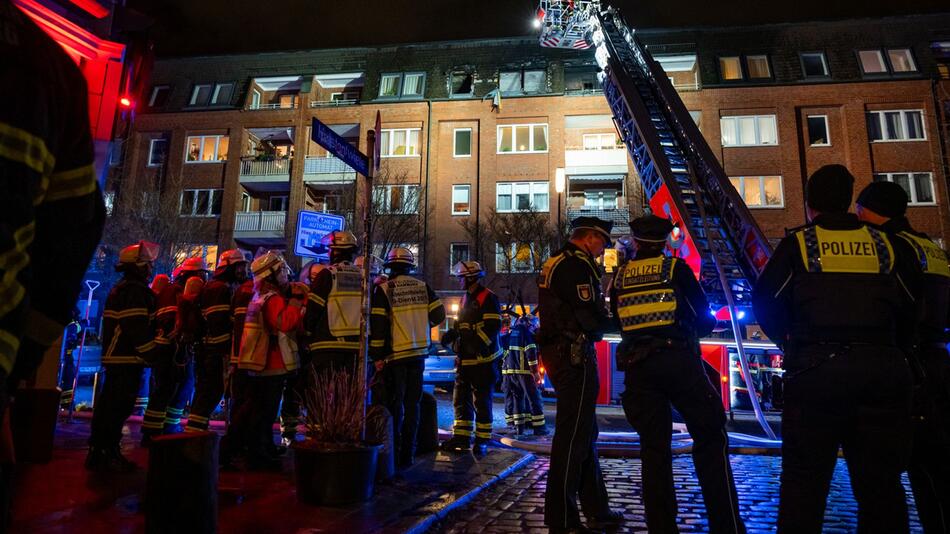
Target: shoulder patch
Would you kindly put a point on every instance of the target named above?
(584, 292)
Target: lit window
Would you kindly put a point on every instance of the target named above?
(814, 64)
(600, 141)
(206, 148)
(521, 138)
(463, 143)
(872, 62)
(396, 199)
(818, 130)
(751, 130)
(730, 68)
(460, 199)
(518, 196)
(918, 185)
(402, 142)
(200, 203)
(412, 84)
(200, 95)
(897, 125)
(901, 60)
(758, 67)
(159, 96)
(759, 191)
(402, 85)
(157, 152)
(519, 257)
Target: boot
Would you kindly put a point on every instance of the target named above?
(457, 444)
(481, 445)
(610, 520)
(108, 460)
(541, 430)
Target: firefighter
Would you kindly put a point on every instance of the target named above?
(129, 343)
(838, 297)
(334, 306)
(173, 371)
(520, 379)
(236, 379)
(268, 353)
(884, 205)
(404, 310)
(212, 354)
(661, 312)
(574, 316)
(475, 341)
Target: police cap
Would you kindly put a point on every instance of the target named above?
(887, 199)
(651, 228)
(600, 226)
(830, 189)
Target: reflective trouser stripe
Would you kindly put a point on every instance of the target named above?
(153, 420)
(483, 430)
(196, 423)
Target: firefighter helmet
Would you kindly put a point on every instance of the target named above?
(468, 269)
(159, 283)
(139, 253)
(231, 257)
(339, 239)
(194, 263)
(400, 256)
(193, 287)
(268, 263)
(310, 272)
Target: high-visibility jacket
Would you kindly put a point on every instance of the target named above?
(332, 322)
(570, 299)
(215, 303)
(404, 310)
(936, 286)
(268, 344)
(127, 334)
(646, 297)
(479, 323)
(521, 353)
(239, 302)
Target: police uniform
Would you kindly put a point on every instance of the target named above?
(403, 312)
(839, 298)
(662, 312)
(523, 406)
(571, 304)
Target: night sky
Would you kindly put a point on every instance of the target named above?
(195, 27)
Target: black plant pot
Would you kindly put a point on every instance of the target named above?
(334, 475)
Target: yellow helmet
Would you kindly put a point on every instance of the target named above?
(230, 257)
(268, 263)
(468, 269)
(400, 256)
(140, 253)
(339, 239)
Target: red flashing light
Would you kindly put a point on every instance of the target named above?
(125, 102)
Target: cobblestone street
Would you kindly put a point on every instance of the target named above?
(516, 504)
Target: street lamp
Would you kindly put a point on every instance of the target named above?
(559, 187)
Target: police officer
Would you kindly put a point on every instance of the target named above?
(520, 377)
(404, 310)
(173, 370)
(476, 339)
(334, 308)
(884, 205)
(212, 356)
(662, 312)
(839, 298)
(129, 342)
(573, 316)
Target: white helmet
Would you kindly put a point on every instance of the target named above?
(268, 263)
(468, 269)
(400, 256)
(339, 239)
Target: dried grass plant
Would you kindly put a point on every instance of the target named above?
(334, 407)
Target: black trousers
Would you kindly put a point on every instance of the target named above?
(472, 399)
(403, 391)
(676, 377)
(858, 400)
(523, 405)
(575, 469)
(294, 390)
(174, 382)
(209, 388)
(115, 404)
(929, 469)
(252, 423)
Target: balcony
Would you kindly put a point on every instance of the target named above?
(274, 105)
(620, 216)
(603, 161)
(334, 103)
(260, 227)
(329, 171)
(266, 175)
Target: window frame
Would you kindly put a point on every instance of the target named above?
(154, 95)
(827, 142)
(735, 119)
(151, 151)
(884, 54)
(401, 85)
(530, 127)
(722, 76)
(471, 91)
(601, 146)
(824, 64)
(217, 145)
(761, 181)
(768, 67)
(213, 193)
(468, 189)
(881, 126)
(531, 269)
(387, 152)
(521, 78)
(912, 195)
(910, 57)
(531, 193)
(213, 100)
(459, 244)
(455, 151)
(195, 90)
(386, 209)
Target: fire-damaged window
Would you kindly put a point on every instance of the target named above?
(462, 84)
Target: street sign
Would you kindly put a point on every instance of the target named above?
(336, 145)
(311, 227)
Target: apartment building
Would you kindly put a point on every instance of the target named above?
(472, 128)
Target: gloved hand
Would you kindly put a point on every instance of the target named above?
(299, 291)
(537, 377)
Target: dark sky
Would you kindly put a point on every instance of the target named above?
(193, 27)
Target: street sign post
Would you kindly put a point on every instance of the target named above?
(311, 227)
(336, 145)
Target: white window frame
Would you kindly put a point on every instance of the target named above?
(470, 93)
(521, 77)
(387, 151)
(455, 146)
(245, 202)
(345, 96)
(201, 144)
(452, 247)
(912, 195)
(193, 101)
(154, 95)
(910, 57)
(824, 65)
(880, 55)
(827, 129)
(385, 207)
(735, 128)
(514, 146)
(768, 67)
(880, 122)
(401, 85)
(151, 151)
(761, 181)
(600, 143)
(217, 90)
(213, 193)
(722, 73)
(533, 189)
(256, 99)
(468, 192)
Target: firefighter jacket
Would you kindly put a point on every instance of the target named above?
(570, 300)
(404, 310)
(166, 317)
(935, 294)
(52, 212)
(242, 297)
(127, 334)
(334, 309)
(215, 304)
(838, 281)
(268, 344)
(659, 297)
(479, 323)
(521, 354)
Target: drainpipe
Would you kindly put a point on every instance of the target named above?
(941, 144)
(425, 210)
(478, 194)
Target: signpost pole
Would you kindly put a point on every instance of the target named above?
(363, 364)
(91, 285)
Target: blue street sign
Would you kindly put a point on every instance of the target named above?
(336, 145)
(311, 227)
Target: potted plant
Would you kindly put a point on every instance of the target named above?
(334, 465)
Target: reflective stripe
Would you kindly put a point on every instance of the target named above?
(146, 347)
(378, 311)
(167, 309)
(9, 345)
(242, 310)
(461, 432)
(344, 301)
(933, 260)
(215, 309)
(409, 316)
(217, 339)
(435, 304)
(481, 359)
(377, 343)
(124, 314)
(71, 184)
(487, 316)
(161, 340)
(310, 296)
(863, 250)
(647, 309)
(325, 345)
(13, 261)
(23, 147)
(515, 372)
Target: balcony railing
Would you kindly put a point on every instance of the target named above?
(260, 221)
(276, 105)
(324, 165)
(326, 103)
(620, 216)
(615, 156)
(275, 167)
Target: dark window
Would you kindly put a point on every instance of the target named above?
(814, 64)
(159, 96)
(818, 130)
(461, 84)
(222, 94)
(157, 152)
(200, 95)
(459, 252)
(463, 142)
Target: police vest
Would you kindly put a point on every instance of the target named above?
(256, 340)
(409, 319)
(933, 260)
(645, 296)
(863, 250)
(343, 303)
